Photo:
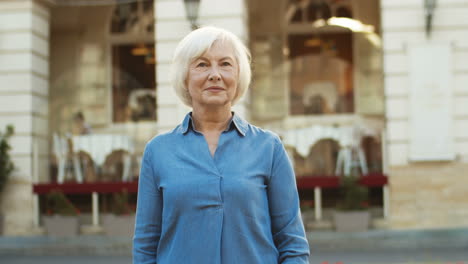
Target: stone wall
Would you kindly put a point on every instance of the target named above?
(431, 195)
(425, 194)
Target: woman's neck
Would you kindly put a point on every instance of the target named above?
(210, 120)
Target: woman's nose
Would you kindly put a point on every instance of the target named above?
(214, 74)
(215, 78)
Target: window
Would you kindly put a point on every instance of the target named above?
(321, 77)
(133, 83)
(321, 80)
(133, 63)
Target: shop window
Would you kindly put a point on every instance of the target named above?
(334, 57)
(321, 78)
(324, 59)
(133, 92)
(133, 17)
(133, 62)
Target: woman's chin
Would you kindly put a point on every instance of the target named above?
(215, 101)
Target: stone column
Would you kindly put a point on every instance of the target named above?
(24, 85)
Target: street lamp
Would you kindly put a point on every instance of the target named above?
(191, 10)
(429, 6)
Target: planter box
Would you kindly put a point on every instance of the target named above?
(352, 221)
(118, 225)
(61, 226)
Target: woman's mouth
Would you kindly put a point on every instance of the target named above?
(214, 89)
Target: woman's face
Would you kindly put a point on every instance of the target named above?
(212, 78)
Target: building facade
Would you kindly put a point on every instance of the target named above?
(380, 80)
(426, 129)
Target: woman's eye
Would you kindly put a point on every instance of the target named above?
(202, 64)
(226, 63)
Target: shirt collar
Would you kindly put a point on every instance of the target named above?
(186, 123)
(239, 123)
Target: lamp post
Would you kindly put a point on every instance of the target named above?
(429, 6)
(191, 10)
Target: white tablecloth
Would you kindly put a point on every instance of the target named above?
(99, 146)
(303, 139)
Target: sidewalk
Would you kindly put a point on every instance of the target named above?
(376, 246)
(87, 245)
(389, 239)
(448, 246)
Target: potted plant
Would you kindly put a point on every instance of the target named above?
(61, 219)
(121, 221)
(6, 165)
(352, 213)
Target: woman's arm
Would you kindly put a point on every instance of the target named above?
(288, 230)
(148, 214)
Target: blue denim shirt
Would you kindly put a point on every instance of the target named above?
(239, 207)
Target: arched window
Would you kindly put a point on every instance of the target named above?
(133, 62)
(321, 79)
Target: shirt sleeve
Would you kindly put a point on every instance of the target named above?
(287, 228)
(148, 213)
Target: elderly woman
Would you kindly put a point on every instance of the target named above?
(216, 189)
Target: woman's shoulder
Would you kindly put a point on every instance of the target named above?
(264, 134)
(164, 139)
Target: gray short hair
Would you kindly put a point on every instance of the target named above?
(194, 45)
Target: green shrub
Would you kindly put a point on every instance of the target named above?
(58, 203)
(6, 165)
(353, 196)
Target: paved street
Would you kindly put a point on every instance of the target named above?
(413, 256)
(385, 256)
(64, 260)
(448, 246)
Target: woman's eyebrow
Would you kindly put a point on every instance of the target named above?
(227, 57)
(223, 58)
